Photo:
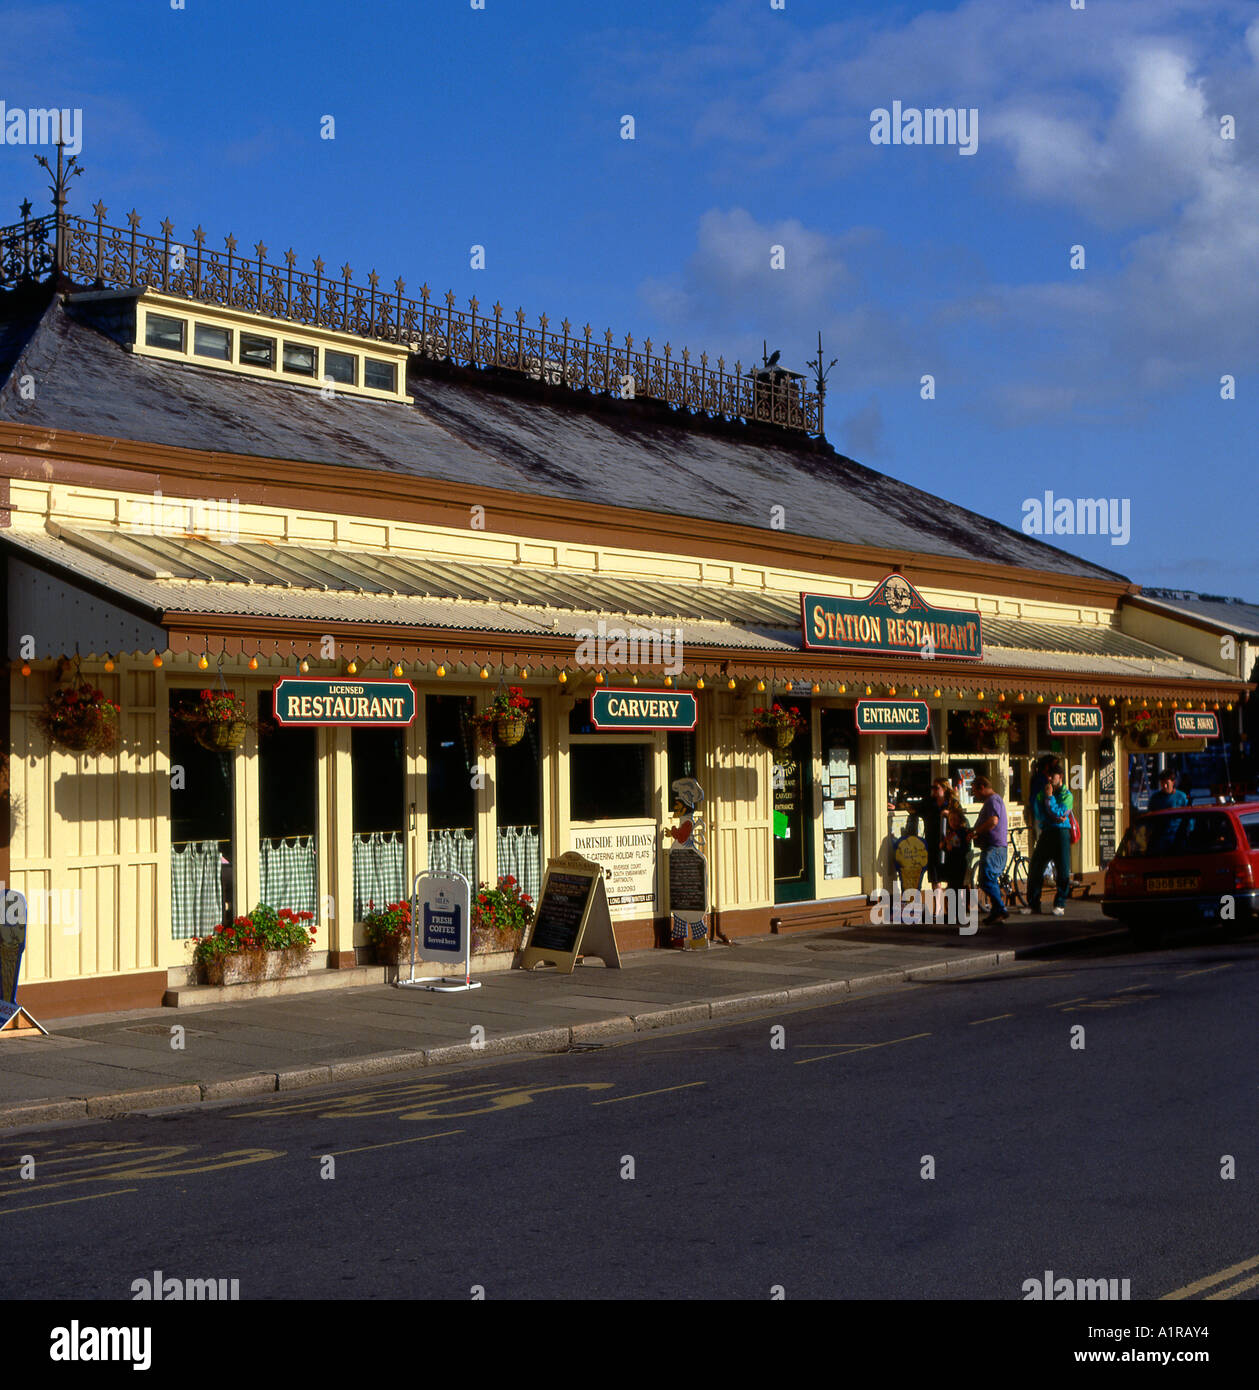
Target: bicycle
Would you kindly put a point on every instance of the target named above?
(1013, 878)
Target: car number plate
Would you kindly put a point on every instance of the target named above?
(1171, 883)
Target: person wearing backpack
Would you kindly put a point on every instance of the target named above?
(1053, 813)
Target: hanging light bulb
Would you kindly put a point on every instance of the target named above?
(1159, 704)
(891, 690)
(1022, 697)
(668, 680)
(26, 670)
(935, 694)
(1229, 706)
(1040, 699)
(699, 685)
(760, 685)
(598, 677)
(352, 667)
(397, 668)
(524, 673)
(109, 665)
(303, 666)
(485, 673)
(203, 662)
(1111, 701)
(157, 661)
(1216, 705)
(1001, 697)
(816, 688)
(980, 695)
(869, 690)
(730, 684)
(563, 677)
(253, 664)
(843, 689)
(441, 671)
(634, 679)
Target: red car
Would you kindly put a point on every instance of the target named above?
(1186, 864)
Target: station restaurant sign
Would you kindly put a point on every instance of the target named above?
(1074, 719)
(360, 702)
(643, 709)
(892, 619)
(893, 717)
(1195, 724)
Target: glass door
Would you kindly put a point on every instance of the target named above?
(793, 815)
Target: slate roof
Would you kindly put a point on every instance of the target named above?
(465, 429)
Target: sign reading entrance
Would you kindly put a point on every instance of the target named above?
(893, 617)
(572, 917)
(1075, 719)
(893, 717)
(380, 703)
(1195, 724)
(643, 709)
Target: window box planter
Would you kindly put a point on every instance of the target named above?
(247, 967)
(486, 941)
(393, 950)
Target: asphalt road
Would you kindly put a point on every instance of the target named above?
(753, 1165)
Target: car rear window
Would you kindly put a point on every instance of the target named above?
(1154, 837)
(1250, 827)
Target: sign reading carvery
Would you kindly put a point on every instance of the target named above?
(643, 709)
(1075, 719)
(1192, 724)
(893, 617)
(344, 702)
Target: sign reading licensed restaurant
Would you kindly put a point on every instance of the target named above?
(892, 618)
(893, 717)
(380, 703)
(1074, 719)
(643, 709)
(1194, 724)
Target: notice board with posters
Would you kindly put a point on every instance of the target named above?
(1106, 801)
(572, 917)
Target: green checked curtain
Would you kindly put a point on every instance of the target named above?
(520, 855)
(289, 874)
(196, 888)
(453, 852)
(379, 871)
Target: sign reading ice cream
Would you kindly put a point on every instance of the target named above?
(1074, 719)
(358, 702)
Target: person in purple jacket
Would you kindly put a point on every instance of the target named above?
(992, 838)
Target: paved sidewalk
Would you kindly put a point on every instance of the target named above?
(118, 1063)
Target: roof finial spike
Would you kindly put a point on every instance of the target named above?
(820, 373)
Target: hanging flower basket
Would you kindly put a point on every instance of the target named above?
(80, 718)
(217, 720)
(776, 727)
(504, 720)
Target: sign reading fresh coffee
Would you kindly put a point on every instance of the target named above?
(893, 717)
(893, 617)
(1074, 719)
(643, 709)
(344, 702)
(1194, 724)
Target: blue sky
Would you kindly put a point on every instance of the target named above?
(1098, 127)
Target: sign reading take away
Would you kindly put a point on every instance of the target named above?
(1196, 724)
(1074, 719)
(893, 617)
(379, 703)
(643, 709)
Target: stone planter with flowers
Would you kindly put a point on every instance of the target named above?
(500, 917)
(267, 944)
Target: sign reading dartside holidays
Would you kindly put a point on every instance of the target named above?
(1195, 724)
(893, 717)
(1074, 719)
(893, 617)
(643, 709)
(360, 702)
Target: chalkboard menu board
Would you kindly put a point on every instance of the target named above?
(688, 880)
(1106, 789)
(559, 915)
(572, 918)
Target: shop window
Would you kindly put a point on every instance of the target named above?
(380, 376)
(379, 764)
(610, 781)
(209, 341)
(163, 332)
(793, 815)
(257, 351)
(341, 367)
(518, 809)
(682, 757)
(840, 833)
(450, 749)
(202, 808)
(908, 781)
(288, 813)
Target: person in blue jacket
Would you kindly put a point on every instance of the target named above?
(1167, 797)
(1052, 812)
